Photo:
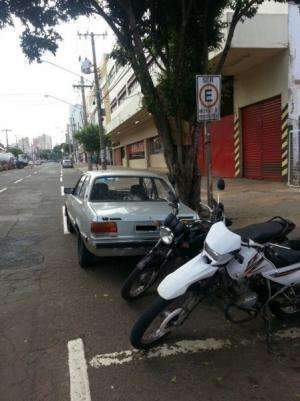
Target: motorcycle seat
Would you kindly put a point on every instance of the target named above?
(263, 232)
(286, 254)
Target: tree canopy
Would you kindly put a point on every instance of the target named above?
(175, 36)
(15, 151)
(89, 138)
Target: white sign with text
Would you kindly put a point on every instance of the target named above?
(208, 97)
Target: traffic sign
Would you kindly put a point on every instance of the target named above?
(208, 97)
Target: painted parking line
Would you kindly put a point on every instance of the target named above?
(16, 182)
(79, 381)
(64, 217)
(62, 190)
(3, 189)
(180, 347)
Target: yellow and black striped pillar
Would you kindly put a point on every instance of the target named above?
(236, 138)
(284, 141)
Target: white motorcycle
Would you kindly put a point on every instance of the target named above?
(250, 278)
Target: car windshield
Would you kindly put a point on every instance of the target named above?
(126, 189)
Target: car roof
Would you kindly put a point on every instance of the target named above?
(124, 173)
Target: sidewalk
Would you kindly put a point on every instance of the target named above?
(250, 201)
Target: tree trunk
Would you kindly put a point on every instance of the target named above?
(89, 160)
(186, 174)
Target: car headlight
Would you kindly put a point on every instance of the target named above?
(166, 235)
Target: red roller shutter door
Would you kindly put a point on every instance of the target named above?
(261, 123)
(222, 144)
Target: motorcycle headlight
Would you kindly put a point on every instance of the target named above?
(213, 254)
(166, 235)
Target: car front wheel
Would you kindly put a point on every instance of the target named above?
(85, 257)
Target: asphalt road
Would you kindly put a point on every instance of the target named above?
(48, 305)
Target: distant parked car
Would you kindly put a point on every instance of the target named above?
(7, 161)
(67, 163)
(118, 212)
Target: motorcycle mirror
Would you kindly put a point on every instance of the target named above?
(220, 184)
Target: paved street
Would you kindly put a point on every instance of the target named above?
(47, 302)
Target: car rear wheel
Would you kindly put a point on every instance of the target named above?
(85, 257)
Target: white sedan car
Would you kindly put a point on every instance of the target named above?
(118, 212)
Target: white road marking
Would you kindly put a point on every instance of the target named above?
(66, 231)
(62, 190)
(61, 179)
(3, 189)
(29, 175)
(180, 347)
(35, 172)
(79, 381)
(21, 179)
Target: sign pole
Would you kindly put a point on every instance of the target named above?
(207, 137)
(208, 98)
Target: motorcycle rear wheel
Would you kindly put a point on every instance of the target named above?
(169, 313)
(287, 308)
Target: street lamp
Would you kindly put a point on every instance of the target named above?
(61, 100)
(65, 69)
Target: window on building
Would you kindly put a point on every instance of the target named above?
(132, 85)
(122, 96)
(155, 145)
(136, 150)
(111, 74)
(113, 105)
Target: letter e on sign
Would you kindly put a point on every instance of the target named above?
(208, 95)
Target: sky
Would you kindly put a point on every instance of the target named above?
(24, 109)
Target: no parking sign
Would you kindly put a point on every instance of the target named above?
(208, 97)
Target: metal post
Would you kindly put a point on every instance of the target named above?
(99, 110)
(207, 138)
(6, 134)
(82, 86)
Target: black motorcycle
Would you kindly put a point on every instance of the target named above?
(178, 243)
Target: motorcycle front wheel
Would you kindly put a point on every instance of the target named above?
(162, 318)
(139, 281)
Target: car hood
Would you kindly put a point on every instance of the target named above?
(139, 211)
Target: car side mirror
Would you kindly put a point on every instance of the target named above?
(173, 200)
(220, 184)
(68, 191)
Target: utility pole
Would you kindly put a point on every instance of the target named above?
(6, 134)
(82, 87)
(98, 96)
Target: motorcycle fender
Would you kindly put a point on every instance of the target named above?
(156, 256)
(177, 283)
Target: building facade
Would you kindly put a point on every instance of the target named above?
(25, 145)
(252, 142)
(42, 142)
